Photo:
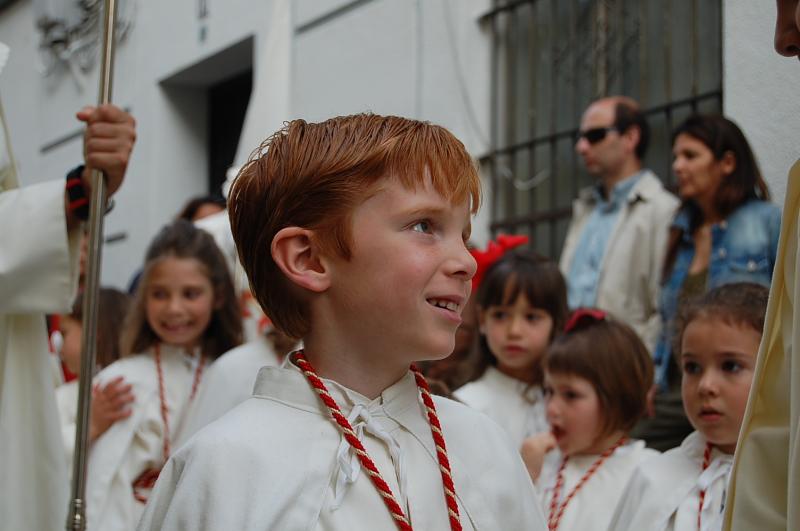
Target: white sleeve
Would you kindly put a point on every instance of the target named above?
(38, 261)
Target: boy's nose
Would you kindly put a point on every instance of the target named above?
(787, 29)
(462, 264)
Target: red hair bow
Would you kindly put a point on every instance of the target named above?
(583, 317)
(494, 251)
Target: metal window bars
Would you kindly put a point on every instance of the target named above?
(551, 58)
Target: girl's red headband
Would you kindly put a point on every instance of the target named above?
(583, 317)
(494, 251)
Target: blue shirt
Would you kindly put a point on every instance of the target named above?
(584, 272)
(743, 249)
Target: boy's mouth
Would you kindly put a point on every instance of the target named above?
(445, 304)
(558, 432)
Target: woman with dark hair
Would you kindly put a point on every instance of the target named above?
(725, 231)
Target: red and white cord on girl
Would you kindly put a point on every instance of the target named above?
(706, 462)
(372, 471)
(198, 374)
(556, 510)
(147, 479)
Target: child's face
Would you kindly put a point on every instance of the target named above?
(718, 359)
(72, 332)
(401, 293)
(518, 335)
(573, 411)
(179, 301)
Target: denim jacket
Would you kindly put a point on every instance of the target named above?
(743, 249)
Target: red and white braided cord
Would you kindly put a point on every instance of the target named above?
(372, 471)
(556, 510)
(162, 394)
(706, 462)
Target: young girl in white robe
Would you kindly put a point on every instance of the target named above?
(110, 403)
(184, 315)
(597, 377)
(684, 489)
(522, 306)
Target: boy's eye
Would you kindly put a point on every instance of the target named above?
(691, 367)
(547, 391)
(532, 317)
(424, 226)
(497, 314)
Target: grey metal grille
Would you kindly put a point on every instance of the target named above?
(551, 58)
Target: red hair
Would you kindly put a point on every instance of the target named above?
(313, 175)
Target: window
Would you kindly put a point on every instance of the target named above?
(551, 58)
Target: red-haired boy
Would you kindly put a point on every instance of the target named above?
(352, 232)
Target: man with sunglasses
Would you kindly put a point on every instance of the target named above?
(617, 238)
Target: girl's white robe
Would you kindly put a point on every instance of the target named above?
(516, 406)
(132, 445)
(278, 461)
(593, 505)
(228, 382)
(664, 492)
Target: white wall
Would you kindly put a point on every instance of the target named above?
(422, 59)
(314, 59)
(761, 89)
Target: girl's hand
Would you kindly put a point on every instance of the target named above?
(109, 404)
(533, 451)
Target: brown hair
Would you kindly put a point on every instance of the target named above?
(112, 305)
(313, 175)
(740, 303)
(612, 357)
(627, 114)
(181, 239)
(521, 272)
(720, 135)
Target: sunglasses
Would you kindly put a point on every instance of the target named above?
(596, 134)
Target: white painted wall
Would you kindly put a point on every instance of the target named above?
(427, 59)
(761, 89)
(422, 59)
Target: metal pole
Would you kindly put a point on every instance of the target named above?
(76, 521)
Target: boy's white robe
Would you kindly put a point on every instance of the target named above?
(593, 505)
(278, 461)
(228, 382)
(664, 492)
(134, 444)
(764, 491)
(38, 275)
(516, 406)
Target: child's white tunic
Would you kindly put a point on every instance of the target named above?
(664, 492)
(133, 445)
(278, 461)
(593, 505)
(228, 382)
(516, 406)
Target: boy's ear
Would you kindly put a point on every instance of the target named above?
(296, 253)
